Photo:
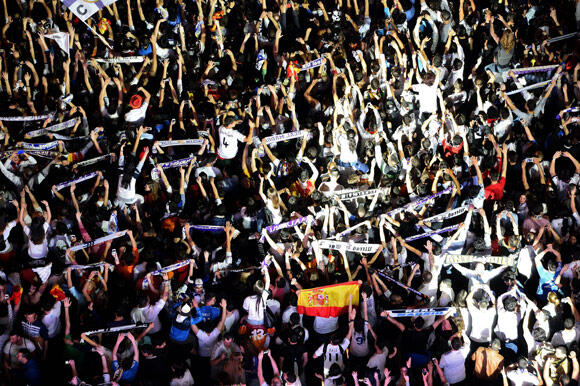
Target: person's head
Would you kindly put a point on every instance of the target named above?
(479, 268)
(15, 338)
(561, 352)
(483, 304)
(335, 339)
(429, 78)
(228, 339)
(507, 40)
(198, 286)
(539, 334)
(456, 343)
(418, 323)
(290, 377)
(552, 265)
(359, 324)
(510, 303)
(495, 344)
(30, 315)
(568, 323)
(143, 301)
(23, 356)
(553, 298)
(37, 233)
(522, 363)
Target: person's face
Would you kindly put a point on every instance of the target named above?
(210, 302)
(20, 357)
(227, 342)
(30, 318)
(276, 382)
(15, 339)
(198, 290)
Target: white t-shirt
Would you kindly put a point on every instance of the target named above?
(334, 354)
(52, 320)
(359, 346)
(137, 115)
(255, 311)
(346, 154)
(377, 361)
(427, 96)
(325, 325)
(37, 251)
(149, 314)
(206, 342)
(13, 349)
(453, 364)
(522, 378)
(481, 331)
(526, 261)
(231, 320)
(228, 147)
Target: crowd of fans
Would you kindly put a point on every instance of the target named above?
(414, 98)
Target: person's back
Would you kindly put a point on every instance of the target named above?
(453, 362)
(488, 362)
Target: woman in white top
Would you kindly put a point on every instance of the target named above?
(129, 173)
(347, 142)
(272, 201)
(37, 239)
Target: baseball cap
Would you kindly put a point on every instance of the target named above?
(184, 312)
(198, 282)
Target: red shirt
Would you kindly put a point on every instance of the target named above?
(450, 150)
(495, 191)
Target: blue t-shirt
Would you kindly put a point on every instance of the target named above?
(546, 283)
(128, 375)
(209, 313)
(182, 334)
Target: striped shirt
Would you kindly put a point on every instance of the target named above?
(34, 330)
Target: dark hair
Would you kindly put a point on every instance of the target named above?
(419, 323)
(37, 233)
(456, 343)
(25, 353)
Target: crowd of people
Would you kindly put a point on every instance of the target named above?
(174, 173)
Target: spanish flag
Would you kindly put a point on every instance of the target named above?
(328, 301)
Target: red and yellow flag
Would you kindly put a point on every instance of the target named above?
(328, 301)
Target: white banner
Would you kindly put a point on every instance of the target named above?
(122, 59)
(98, 241)
(446, 215)
(84, 9)
(285, 136)
(501, 260)
(66, 184)
(346, 246)
(359, 193)
(62, 39)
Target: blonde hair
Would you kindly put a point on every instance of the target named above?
(273, 196)
(508, 40)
